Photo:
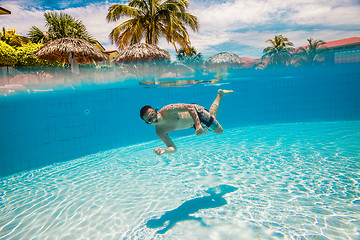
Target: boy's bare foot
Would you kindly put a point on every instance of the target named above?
(224, 92)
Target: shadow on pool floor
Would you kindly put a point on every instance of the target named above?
(182, 213)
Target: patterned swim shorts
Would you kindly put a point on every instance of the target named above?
(206, 119)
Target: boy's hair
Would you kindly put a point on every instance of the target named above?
(143, 110)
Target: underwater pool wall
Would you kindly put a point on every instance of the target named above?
(38, 129)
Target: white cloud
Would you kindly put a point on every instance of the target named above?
(247, 13)
(232, 15)
(324, 15)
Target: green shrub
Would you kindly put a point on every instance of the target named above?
(26, 58)
(7, 55)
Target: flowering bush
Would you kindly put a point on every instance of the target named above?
(7, 55)
(26, 58)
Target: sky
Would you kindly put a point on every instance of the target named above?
(238, 26)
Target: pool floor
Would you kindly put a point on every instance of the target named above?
(283, 181)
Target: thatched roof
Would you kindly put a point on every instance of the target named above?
(224, 58)
(140, 52)
(59, 49)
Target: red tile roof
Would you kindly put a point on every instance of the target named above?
(336, 43)
(342, 42)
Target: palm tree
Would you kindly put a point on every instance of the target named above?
(151, 19)
(311, 53)
(189, 56)
(279, 51)
(38, 36)
(59, 25)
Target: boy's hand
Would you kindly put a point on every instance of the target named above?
(199, 130)
(159, 151)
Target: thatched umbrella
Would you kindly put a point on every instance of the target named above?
(221, 62)
(142, 52)
(72, 50)
(224, 58)
(141, 59)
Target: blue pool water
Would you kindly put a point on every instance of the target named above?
(42, 128)
(78, 163)
(274, 181)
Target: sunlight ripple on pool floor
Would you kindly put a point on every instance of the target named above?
(292, 180)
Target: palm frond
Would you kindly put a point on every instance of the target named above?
(115, 12)
(36, 35)
(61, 25)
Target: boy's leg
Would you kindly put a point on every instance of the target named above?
(215, 105)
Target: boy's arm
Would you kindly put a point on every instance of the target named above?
(171, 148)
